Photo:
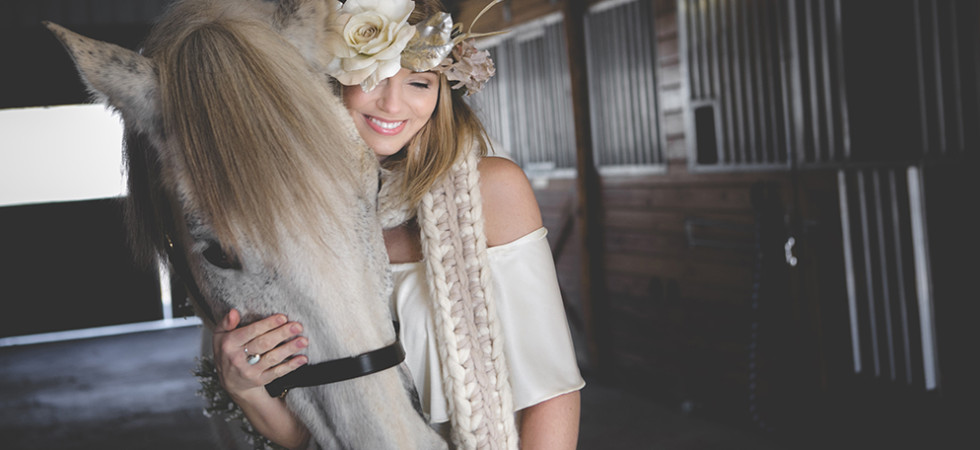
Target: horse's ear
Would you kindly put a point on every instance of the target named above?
(122, 78)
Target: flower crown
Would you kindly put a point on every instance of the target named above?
(370, 40)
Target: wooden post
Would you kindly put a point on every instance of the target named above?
(589, 211)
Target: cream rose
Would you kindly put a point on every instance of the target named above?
(366, 39)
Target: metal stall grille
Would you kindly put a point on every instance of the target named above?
(527, 107)
(887, 273)
(765, 80)
(620, 44)
(947, 55)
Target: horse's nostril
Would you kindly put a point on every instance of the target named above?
(215, 255)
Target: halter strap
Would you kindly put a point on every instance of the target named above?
(339, 369)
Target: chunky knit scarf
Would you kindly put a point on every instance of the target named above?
(454, 248)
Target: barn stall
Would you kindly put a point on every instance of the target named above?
(760, 210)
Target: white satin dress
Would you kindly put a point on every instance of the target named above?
(537, 341)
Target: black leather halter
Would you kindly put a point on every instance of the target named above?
(339, 369)
(306, 376)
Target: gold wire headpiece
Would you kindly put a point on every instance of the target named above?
(365, 41)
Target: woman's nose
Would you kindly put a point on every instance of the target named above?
(389, 99)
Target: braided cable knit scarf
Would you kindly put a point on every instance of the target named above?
(454, 248)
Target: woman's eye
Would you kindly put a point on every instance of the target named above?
(419, 84)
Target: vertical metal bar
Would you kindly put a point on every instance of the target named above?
(641, 114)
(789, 90)
(564, 70)
(920, 67)
(851, 283)
(776, 84)
(526, 92)
(707, 82)
(730, 86)
(841, 83)
(520, 100)
(544, 118)
(759, 92)
(652, 103)
(825, 37)
(643, 23)
(923, 280)
(751, 79)
(900, 276)
(717, 67)
(544, 110)
(735, 43)
(628, 74)
(593, 39)
(707, 56)
(555, 91)
(957, 82)
(868, 274)
(814, 95)
(503, 86)
(938, 68)
(724, 92)
(692, 34)
(615, 99)
(883, 273)
(797, 125)
(610, 108)
(591, 71)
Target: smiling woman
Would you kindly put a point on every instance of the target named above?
(392, 113)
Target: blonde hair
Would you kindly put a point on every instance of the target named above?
(453, 130)
(254, 132)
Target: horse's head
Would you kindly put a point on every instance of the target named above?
(242, 155)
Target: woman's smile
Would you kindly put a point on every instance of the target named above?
(386, 127)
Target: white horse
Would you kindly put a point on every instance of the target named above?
(243, 159)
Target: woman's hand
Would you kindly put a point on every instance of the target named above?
(278, 343)
(276, 340)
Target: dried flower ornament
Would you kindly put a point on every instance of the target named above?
(370, 40)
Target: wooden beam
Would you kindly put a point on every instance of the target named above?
(589, 213)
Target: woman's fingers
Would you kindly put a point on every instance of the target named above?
(244, 335)
(230, 321)
(271, 338)
(283, 359)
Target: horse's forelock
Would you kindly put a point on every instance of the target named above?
(255, 132)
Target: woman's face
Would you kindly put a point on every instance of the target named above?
(391, 114)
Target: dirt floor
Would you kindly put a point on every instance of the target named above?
(136, 391)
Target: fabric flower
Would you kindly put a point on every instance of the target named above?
(471, 67)
(365, 39)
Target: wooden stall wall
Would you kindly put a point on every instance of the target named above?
(724, 287)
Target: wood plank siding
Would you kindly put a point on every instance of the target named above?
(766, 262)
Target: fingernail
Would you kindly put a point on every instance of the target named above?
(302, 343)
(281, 319)
(296, 328)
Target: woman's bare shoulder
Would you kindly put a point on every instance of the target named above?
(510, 209)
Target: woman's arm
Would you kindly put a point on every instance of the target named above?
(276, 339)
(510, 211)
(551, 424)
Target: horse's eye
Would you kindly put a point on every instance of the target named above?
(215, 255)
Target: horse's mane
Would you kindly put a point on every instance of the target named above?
(255, 130)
